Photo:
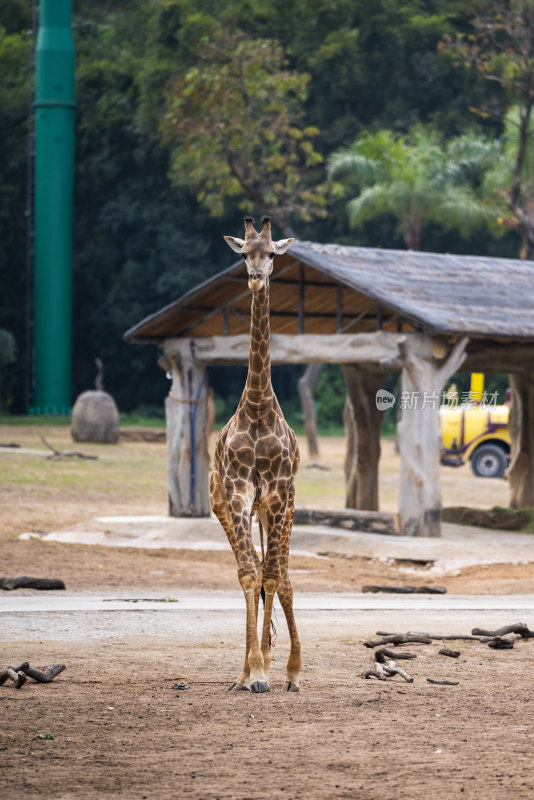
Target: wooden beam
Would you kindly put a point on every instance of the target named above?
(290, 349)
(291, 282)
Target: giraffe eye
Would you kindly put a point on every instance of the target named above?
(271, 255)
(244, 256)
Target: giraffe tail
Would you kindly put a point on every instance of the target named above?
(261, 540)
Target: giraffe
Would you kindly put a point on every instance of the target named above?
(256, 459)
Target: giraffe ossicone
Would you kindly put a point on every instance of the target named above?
(256, 460)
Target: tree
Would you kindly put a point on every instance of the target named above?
(236, 123)
(500, 46)
(416, 178)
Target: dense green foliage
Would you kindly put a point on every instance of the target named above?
(180, 106)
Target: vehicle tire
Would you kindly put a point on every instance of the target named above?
(489, 461)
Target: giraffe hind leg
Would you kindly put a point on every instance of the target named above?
(285, 595)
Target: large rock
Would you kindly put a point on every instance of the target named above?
(95, 418)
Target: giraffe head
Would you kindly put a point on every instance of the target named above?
(258, 250)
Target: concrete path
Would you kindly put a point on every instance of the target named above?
(233, 601)
(211, 618)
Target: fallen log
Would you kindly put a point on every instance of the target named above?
(348, 519)
(370, 588)
(398, 638)
(25, 582)
(446, 651)
(507, 519)
(519, 627)
(443, 683)
(41, 676)
(14, 445)
(404, 589)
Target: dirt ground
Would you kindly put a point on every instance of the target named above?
(40, 495)
(120, 730)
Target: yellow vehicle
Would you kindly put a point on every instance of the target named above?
(476, 431)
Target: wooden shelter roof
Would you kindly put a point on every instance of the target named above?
(325, 289)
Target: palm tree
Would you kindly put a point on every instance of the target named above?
(416, 178)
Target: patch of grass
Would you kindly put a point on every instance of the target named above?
(135, 420)
(35, 420)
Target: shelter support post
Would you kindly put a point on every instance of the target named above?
(186, 409)
(362, 422)
(521, 470)
(306, 386)
(426, 366)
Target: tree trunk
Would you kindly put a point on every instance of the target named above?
(412, 234)
(306, 386)
(521, 470)
(186, 410)
(351, 474)
(423, 378)
(362, 487)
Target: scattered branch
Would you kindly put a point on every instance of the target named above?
(382, 669)
(59, 455)
(19, 675)
(519, 627)
(41, 676)
(501, 643)
(18, 678)
(443, 683)
(384, 652)
(446, 651)
(405, 589)
(398, 638)
(437, 636)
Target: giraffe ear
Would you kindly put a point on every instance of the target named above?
(282, 245)
(235, 243)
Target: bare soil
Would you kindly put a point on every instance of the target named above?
(120, 730)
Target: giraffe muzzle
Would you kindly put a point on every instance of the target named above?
(255, 281)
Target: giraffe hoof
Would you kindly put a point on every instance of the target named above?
(259, 686)
(238, 687)
(291, 687)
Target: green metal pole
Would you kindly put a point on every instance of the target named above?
(54, 189)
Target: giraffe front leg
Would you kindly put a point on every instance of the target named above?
(258, 682)
(249, 573)
(233, 515)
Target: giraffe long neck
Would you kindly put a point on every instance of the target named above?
(258, 392)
